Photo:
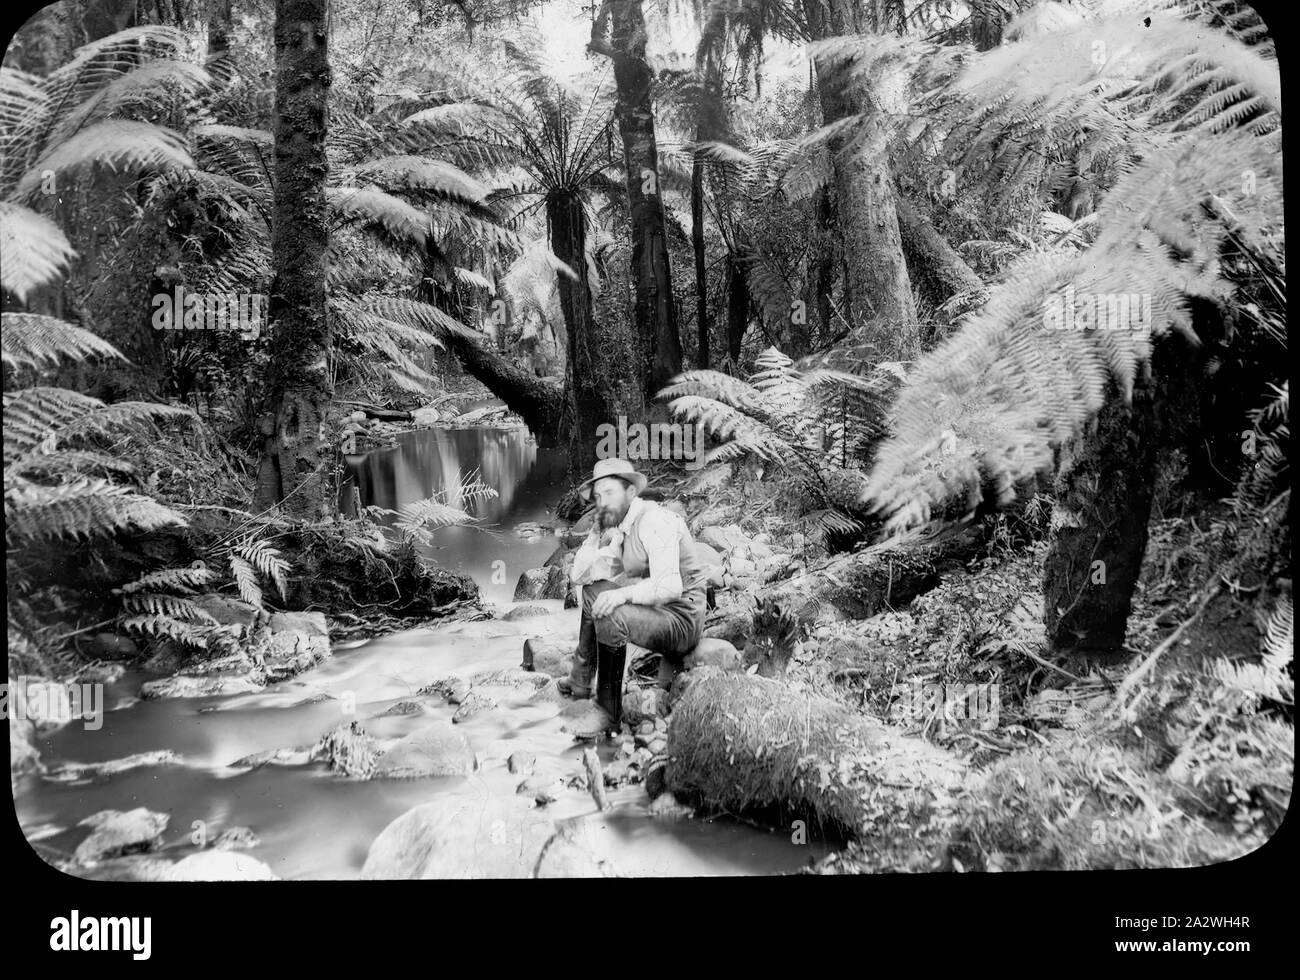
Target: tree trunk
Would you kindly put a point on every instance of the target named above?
(934, 265)
(539, 403)
(655, 317)
(701, 276)
(590, 389)
(296, 458)
(986, 22)
(877, 290)
(737, 306)
(1104, 489)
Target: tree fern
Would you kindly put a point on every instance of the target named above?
(1007, 388)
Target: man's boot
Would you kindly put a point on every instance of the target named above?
(578, 683)
(668, 669)
(610, 662)
(604, 713)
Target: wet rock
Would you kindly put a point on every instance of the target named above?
(460, 836)
(348, 750)
(113, 646)
(452, 689)
(434, 751)
(214, 865)
(307, 623)
(548, 657)
(229, 611)
(115, 832)
(666, 807)
(75, 772)
(236, 839)
(24, 757)
(276, 757)
(521, 763)
(548, 582)
(286, 654)
(524, 612)
(401, 708)
(190, 686)
(567, 855)
(472, 704)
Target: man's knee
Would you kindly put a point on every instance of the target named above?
(611, 630)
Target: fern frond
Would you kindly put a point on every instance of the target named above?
(85, 508)
(42, 341)
(246, 580)
(33, 250)
(175, 579)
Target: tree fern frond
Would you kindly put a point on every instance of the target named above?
(85, 508)
(42, 341)
(33, 250)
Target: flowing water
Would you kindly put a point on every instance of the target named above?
(314, 824)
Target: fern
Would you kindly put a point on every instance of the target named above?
(1006, 389)
(266, 560)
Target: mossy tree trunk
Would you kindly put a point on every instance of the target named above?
(655, 314)
(590, 388)
(296, 458)
(1103, 494)
(877, 292)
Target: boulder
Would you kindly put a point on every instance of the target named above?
(466, 835)
(113, 646)
(229, 611)
(724, 537)
(307, 623)
(202, 686)
(568, 855)
(548, 582)
(347, 749)
(472, 704)
(714, 652)
(217, 865)
(115, 832)
(432, 751)
(287, 653)
(521, 763)
(712, 560)
(548, 657)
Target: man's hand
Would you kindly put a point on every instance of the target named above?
(607, 602)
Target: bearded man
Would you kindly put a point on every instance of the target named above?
(641, 581)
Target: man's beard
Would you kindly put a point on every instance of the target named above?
(609, 517)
